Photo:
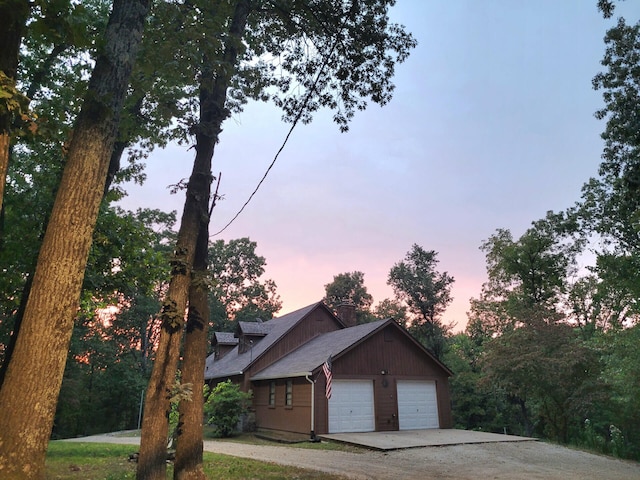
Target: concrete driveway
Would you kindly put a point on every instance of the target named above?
(385, 441)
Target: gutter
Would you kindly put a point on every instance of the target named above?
(313, 410)
(226, 375)
(278, 376)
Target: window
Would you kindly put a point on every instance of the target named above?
(288, 399)
(272, 394)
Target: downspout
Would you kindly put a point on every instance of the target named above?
(313, 410)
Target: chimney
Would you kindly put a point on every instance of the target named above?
(346, 312)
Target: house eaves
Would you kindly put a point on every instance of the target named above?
(277, 377)
(308, 357)
(235, 361)
(225, 375)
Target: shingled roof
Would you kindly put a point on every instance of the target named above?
(258, 328)
(235, 363)
(225, 338)
(313, 354)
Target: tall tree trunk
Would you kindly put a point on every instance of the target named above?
(33, 378)
(36, 83)
(213, 92)
(153, 443)
(188, 463)
(13, 20)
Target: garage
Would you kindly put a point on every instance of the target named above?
(351, 406)
(417, 405)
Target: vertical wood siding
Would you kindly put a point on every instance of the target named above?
(395, 354)
(318, 321)
(296, 418)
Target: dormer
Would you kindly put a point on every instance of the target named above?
(223, 343)
(250, 333)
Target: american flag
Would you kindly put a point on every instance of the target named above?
(326, 368)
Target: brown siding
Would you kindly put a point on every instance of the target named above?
(280, 417)
(394, 353)
(224, 349)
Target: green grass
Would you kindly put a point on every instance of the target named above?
(101, 461)
(250, 438)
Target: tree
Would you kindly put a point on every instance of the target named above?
(550, 371)
(390, 308)
(528, 277)
(352, 58)
(610, 204)
(111, 345)
(349, 288)
(237, 290)
(476, 403)
(426, 292)
(212, 93)
(530, 351)
(32, 382)
(189, 449)
(14, 14)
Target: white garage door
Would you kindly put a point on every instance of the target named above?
(417, 405)
(351, 406)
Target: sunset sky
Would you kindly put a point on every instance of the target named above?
(490, 127)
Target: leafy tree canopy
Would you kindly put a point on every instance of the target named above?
(349, 288)
(415, 281)
(238, 291)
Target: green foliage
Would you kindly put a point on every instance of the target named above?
(354, 50)
(610, 202)
(426, 292)
(110, 352)
(476, 405)
(107, 370)
(238, 292)
(224, 406)
(416, 281)
(16, 105)
(181, 392)
(349, 288)
(391, 308)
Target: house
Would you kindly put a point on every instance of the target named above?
(382, 378)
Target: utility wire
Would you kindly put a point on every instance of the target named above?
(286, 139)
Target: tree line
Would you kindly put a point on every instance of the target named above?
(550, 348)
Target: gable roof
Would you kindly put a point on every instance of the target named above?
(314, 353)
(235, 363)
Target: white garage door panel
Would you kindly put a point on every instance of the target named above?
(351, 406)
(417, 405)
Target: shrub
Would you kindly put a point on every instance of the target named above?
(617, 442)
(224, 406)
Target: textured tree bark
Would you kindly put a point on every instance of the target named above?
(213, 92)
(13, 15)
(31, 386)
(188, 462)
(153, 443)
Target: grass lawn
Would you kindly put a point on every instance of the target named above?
(101, 461)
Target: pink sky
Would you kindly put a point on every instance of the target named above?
(491, 126)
